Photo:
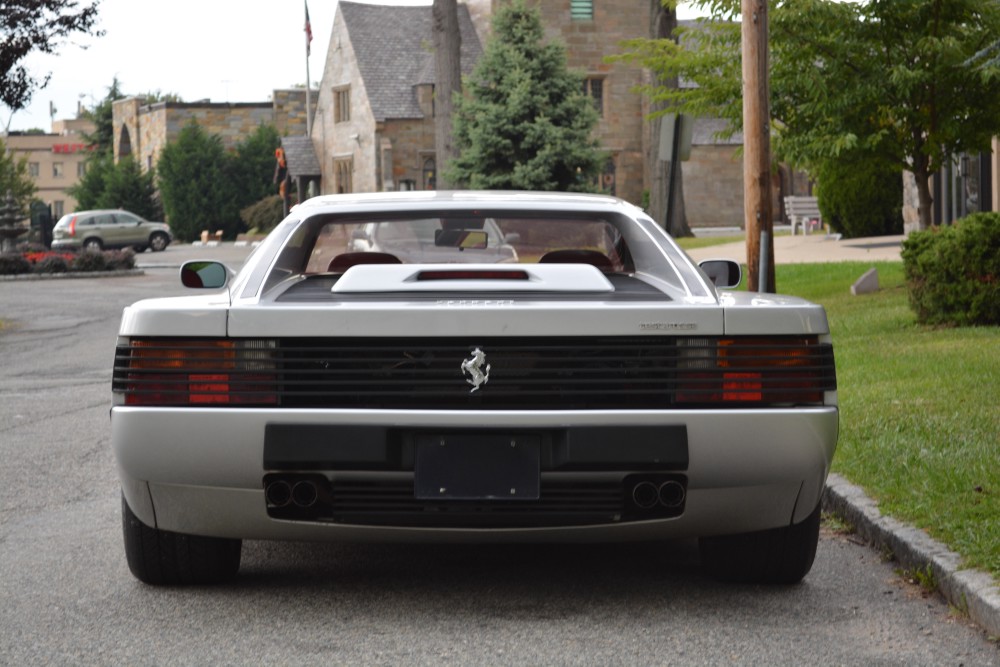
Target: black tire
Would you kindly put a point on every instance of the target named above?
(93, 244)
(139, 249)
(778, 556)
(158, 241)
(162, 558)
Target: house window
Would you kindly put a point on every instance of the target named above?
(34, 169)
(342, 168)
(593, 87)
(429, 173)
(341, 105)
(57, 170)
(57, 209)
(81, 169)
(581, 10)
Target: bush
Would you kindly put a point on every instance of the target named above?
(89, 260)
(953, 273)
(52, 264)
(859, 198)
(120, 260)
(264, 215)
(12, 264)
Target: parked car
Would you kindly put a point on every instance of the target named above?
(419, 240)
(603, 387)
(97, 230)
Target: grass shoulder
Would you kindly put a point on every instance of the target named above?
(919, 427)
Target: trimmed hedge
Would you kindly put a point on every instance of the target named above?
(858, 198)
(953, 273)
(31, 260)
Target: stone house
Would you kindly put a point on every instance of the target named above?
(374, 122)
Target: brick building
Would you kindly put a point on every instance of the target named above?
(56, 160)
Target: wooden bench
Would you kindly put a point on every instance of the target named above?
(803, 212)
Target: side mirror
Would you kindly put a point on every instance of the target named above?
(204, 275)
(724, 273)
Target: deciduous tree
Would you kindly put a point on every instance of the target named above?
(36, 25)
(896, 81)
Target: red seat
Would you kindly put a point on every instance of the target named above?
(346, 260)
(592, 257)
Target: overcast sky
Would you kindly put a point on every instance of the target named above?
(222, 50)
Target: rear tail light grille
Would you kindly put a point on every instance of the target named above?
(524, 373)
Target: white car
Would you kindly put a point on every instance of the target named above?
(603, 387)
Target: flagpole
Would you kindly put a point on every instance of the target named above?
(308, 31)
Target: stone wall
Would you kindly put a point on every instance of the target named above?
(289, 110)
(713, 187)
(588, 43)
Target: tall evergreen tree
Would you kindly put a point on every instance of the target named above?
(195, 193)
(524, 122)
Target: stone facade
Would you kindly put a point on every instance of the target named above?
(143, 130)
(588, 42)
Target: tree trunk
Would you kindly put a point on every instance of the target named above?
(662, 22)
(448, 81)
(926, 200)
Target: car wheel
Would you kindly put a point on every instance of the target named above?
(139, 248)
(778, 556)
(94, 245)
(159, 242)
(160, 557)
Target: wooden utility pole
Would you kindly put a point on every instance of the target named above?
(757, 148)
(448, 81)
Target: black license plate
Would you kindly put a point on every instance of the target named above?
(464, 466)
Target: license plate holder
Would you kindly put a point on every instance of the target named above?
(476, 466)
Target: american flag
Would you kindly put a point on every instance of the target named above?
(309, 31)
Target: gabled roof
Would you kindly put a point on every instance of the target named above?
(394, 50)
(300, 156)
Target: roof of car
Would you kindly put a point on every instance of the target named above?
(465, 198)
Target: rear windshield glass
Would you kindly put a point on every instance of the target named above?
(450, 238)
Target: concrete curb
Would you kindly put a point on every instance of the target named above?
(970, 591)
(71, 275)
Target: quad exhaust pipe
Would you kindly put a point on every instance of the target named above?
(301, 493)
(648, 494)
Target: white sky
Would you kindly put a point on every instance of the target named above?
(223, 50)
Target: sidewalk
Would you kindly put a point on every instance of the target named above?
(812, 249)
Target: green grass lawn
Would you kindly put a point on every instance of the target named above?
(920, 408)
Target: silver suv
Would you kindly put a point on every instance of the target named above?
(96, 230)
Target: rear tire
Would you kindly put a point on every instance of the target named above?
(158, 242)
(163, 558)
(777, 556)
(93, 245)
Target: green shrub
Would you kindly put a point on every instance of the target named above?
(264, 215)
(953, 273)
(13, 264)
(119, 260)
(52, 264)
(89, 260)
(859, 198)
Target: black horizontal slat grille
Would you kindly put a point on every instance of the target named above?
(393, 503)
(657, 372)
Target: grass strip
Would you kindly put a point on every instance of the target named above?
(920, 422)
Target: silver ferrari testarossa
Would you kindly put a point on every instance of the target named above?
(472, 366)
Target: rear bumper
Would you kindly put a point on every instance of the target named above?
(202, 471)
